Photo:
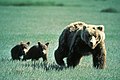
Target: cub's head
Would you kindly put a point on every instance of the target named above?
(43, 47)
(92, 35)
(24, 45)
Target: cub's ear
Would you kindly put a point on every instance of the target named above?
(39, 43)
(47, 44)
(84, 27)
(100, 27)
(28, 43)
(21, 42)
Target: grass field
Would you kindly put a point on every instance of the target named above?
(45, 24)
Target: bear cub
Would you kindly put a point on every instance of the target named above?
(18, 50)
(36, 52)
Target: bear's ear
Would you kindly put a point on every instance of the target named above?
(101, 28)
(39, 43)
(28, 43)
(84, 27)
(21, 42)
(47, 44)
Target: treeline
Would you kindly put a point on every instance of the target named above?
(31, 4)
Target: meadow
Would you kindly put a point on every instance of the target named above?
(45, 24)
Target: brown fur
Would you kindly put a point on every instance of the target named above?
(18, 50)
(74, 44)
(37, 51)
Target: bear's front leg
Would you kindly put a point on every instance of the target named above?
(45, 57)
(73, 60)
(99, 57)
(59, 55)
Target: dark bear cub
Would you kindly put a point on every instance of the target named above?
(18, 50)
(36, 52)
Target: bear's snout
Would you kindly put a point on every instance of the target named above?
(92, 42)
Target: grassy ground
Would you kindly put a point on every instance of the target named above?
(45, 24)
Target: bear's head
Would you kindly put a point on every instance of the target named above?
(92, 35)
(24, 45)
(43, 47)
(23, 48)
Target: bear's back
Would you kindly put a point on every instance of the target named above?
(15, 49)
(34, 51)
(75, 26)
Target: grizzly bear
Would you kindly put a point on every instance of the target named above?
(36, 52)
(18, 50)
(80, 39)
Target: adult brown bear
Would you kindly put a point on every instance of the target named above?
(80, 39)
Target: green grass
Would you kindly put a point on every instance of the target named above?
(45, 24)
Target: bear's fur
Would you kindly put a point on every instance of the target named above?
(18, 50)
(78, 41)
(36, 52)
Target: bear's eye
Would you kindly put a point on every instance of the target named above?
(95, 36)
(93, 27)
(99, 36)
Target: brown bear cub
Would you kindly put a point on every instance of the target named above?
(36, 52)
(18, 50)
(80, 39)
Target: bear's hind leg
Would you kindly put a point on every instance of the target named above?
(59, 57)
